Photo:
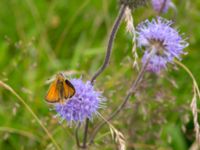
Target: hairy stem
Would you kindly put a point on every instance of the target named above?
(110, 42)
(85, 133)
(133, 88)
(130, 92)
(76, 136)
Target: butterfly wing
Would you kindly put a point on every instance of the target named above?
(69, 89)
(53, 93)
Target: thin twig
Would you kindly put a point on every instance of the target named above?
(130, 92)
(110, 42)
(118, 109)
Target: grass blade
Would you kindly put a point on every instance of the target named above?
(7, 87)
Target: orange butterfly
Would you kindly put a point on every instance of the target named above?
(60, 90)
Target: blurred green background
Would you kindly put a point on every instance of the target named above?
(39, 38)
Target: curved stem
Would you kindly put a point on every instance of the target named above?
(131, 91)
(110, 42)
(106, 60)
(193, 105)
(7, 87)
(190, 74)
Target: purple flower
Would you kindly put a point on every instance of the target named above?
(82, 105)
(160, 5)
(165, 41)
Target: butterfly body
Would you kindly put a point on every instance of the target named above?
(60, 90)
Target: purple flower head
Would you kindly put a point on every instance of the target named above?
(82, 105)
(165, 41)
(160, 5)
